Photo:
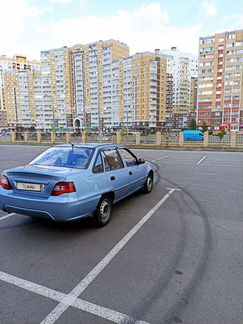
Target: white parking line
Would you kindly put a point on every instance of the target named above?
(7, 216)
(176, 162)
(73, 295)
(202, 159)
(160, 158)
(33, 287)
(225, 165)
(106, 313)
(205, 173)
(58, 296)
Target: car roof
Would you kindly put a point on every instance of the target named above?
(92, 145)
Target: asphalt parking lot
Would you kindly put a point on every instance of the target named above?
(173, 256)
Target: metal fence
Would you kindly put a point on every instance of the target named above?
(75, 137)
(163, 140)
(148, 139)
(215, 139)
(60, 138)
(239, 139)
(5, 138)
(46, 137)
(170, 139)
(128, 139)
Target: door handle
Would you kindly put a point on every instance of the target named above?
(130, 172)
(113, 178)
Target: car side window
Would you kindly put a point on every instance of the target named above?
(113, 159)
(106, 164)
(129, 159)
(98, 165)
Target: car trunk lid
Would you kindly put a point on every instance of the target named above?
(36, 180)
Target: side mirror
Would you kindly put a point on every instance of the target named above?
(141, 161)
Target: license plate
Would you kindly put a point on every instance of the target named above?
(28, 186)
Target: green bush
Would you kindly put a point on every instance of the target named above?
(221, 134)
(123, 131)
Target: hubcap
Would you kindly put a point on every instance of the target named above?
(105, 210)
(149, 183)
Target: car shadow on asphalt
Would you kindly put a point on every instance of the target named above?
(75, 226)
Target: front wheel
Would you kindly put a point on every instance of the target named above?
(148, 186)
(103, 212)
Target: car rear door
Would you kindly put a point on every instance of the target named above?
(116, 173)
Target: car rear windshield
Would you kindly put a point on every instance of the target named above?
(68, 157)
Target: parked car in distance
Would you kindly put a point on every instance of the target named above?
(4, 134)
(68, 182)
(193, 135)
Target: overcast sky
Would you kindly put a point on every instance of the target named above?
(29, 26)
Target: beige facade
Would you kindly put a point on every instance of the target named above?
(142, 90)
(19, 89)
(3, 119)
(10, 66)
(193, 94)
(220, 81)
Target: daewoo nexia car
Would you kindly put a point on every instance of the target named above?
(68, 182)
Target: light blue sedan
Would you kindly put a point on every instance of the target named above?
(68, 182)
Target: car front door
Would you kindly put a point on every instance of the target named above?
(115, 173)
(137, 172)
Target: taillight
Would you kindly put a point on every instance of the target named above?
(5, 183)
(62, 188)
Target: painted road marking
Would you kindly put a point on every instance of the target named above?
(53, 316)
(6, 216)
(205, 173)
(224, 165)
(160, 158)
(202, 159)
(58, 296)
(176, 162)
(106, 313)
(33, 287)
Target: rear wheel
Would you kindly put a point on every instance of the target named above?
(103, 212)
(148, 186)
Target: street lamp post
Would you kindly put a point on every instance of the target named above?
(98, 92)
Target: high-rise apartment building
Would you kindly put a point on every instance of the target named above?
(10, 66)
(19, 92)
(3, 119)
(220, 93)
(92, 73)
(99, 86)
(57, 104)
(182, 74)
(142, 90)
(109, 88)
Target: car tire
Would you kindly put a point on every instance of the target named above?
(148, 186)
(102, 215)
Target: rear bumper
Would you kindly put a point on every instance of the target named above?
(51, 208)
(27, 211)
